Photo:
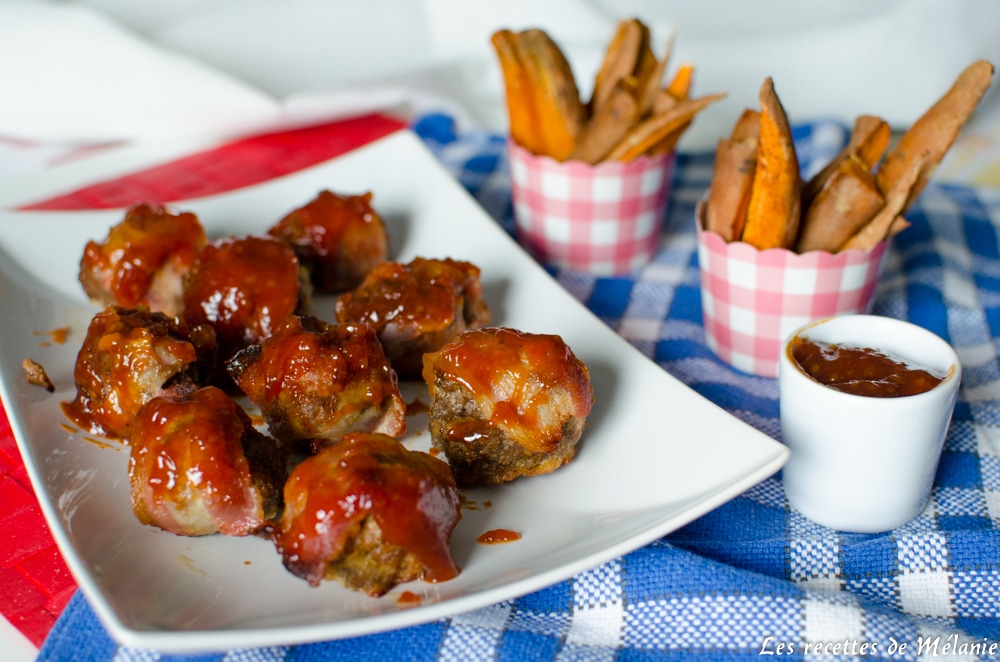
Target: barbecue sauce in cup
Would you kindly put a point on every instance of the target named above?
(860, 370)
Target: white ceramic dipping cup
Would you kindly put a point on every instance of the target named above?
(858, 463)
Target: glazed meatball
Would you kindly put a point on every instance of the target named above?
(339, 239)
(315, 381)
(127, 357)
(198, 466)
(143, 260)
(416, 307)
(505, 404)
(244, 287)
(370, 513)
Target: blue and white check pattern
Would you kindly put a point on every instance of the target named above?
(753, 576)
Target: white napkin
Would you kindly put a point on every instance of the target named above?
(68, 74)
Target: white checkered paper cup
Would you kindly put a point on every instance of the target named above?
(752, 299)
(604, 219)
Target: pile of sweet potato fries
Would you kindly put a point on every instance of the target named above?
(630, 113)
(757, 196)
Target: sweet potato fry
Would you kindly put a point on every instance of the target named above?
(930, 137)
(519, 92)
(732, 178)
(871, 145)
(747, 127)
(559, 112)
(680, 86)
(775, 204)
(729, 194)
(652, 85)
(612, 121)
(877, 229)
(848, 201)
(868, 142)
(649, 132)
(621, 59)
(663, 101)
(898, 225)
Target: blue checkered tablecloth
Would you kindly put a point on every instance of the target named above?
(753, 578)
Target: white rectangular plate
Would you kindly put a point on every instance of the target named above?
(655, 455)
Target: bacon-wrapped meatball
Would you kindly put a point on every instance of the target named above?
(127, 356)
(316, 381)
(244, 287)
(339, 239)
(370, 513)
(505, 403)
(143, 260)
(198, 466)
(416, 307)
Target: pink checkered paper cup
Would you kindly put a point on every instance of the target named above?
(752, 299)
(604, 219)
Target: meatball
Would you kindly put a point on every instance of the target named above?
(505, 404)
(127, 357)
(244, 287)
(198, 466)
(316, 381)
(339, 239)
(143, 260)
(416, 307)
(370, 513)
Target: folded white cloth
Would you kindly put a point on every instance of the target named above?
(69, 74)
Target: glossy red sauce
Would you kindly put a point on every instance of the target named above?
(137, 248)
(861, 370)
(243, 287)
(519, 373)
(411, 495)
(285, 377)
(187, 446)
(339, 237)
(416, 406)
(126, 356)
(58, 336)
(498, 536)
(409, 598)
(423, 295)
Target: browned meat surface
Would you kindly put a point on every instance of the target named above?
(127, 356)
(505, 404)
(416, 307)
(36, 375)
(143, 260)
(339, 239)
(198, 466)
(371, 514)
(314, 380)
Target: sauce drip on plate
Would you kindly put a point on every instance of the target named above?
(497, 536)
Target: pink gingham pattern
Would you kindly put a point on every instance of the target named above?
(604, 219)
(752, 299)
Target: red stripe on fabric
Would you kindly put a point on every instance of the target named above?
(231, 166)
